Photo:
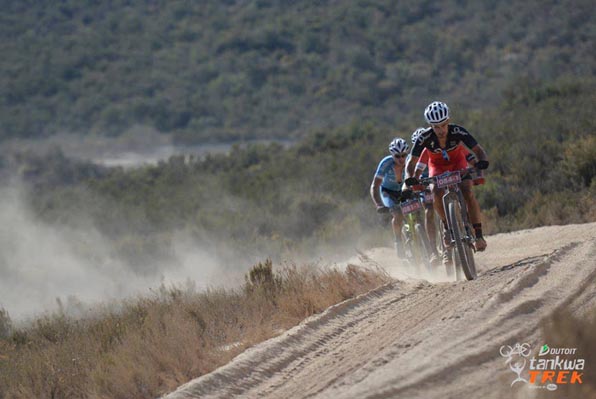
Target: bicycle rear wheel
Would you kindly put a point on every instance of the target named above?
(462, 248)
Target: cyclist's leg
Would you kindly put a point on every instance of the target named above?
(438, 193)
(429, 221)
(438, 203)
(474, 213)
(396, 220)
(396, 223)
(431, 229)
(471, 202)
(435, 170)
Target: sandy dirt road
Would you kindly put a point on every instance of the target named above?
(422, 336)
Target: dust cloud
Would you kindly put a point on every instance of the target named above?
(44, 267)
(137, 146)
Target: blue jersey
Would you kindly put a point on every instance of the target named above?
(387, 172)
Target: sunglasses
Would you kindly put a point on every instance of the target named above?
(404, 155)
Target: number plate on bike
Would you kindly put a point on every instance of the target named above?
(410, 206)
(448, 180)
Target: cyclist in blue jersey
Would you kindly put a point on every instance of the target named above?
(385, 189)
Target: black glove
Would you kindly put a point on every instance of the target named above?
(482, 165)
(411, 181)
(381, 209)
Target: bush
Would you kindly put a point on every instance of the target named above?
(261, 279)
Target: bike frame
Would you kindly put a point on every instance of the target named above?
(413, 230)
(450, 182)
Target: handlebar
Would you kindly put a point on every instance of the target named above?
(476, 175)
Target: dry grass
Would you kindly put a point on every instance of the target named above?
(559, 208)
(151, 345)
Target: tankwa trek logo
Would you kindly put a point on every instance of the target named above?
(547, 369)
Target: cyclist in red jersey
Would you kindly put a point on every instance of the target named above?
(442, 141)
(429, 211)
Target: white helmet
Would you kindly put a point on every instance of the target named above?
(398, 146)
(417, 134)
(436, 112)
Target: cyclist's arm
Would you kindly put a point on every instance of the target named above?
(470, 156)
(416, 153)
(422, 164)
(375, 192)
(471, 143)
(411, 166)
(480, 153)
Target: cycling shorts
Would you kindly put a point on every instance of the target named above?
(390, 198)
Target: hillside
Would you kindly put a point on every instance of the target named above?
(218, 70)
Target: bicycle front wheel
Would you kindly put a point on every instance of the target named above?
(438, 233)
(424, 248)
(462, 247)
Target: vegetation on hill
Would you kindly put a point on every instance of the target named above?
(215, 70)
(267, 200)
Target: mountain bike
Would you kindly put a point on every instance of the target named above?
(462, 235)
(415, 239)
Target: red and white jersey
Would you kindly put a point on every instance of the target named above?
(451, 157)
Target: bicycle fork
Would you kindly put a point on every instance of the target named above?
(407, 231)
